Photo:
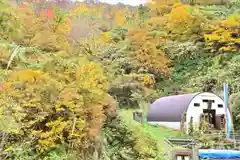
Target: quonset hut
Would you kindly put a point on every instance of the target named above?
(168, 111)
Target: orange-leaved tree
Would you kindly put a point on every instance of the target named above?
(40, 29)
(144, 47)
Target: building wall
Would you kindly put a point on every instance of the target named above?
(172, 125)
(195, 112)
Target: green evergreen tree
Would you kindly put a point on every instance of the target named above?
(191, 127)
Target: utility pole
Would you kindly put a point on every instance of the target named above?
(225, 87)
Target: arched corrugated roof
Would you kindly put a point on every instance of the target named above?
(169, 109)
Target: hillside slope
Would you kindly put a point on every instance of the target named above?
(63, 95)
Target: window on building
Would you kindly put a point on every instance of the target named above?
(220, 105)
(207, 100)
(180, 158)
(196, 104)
(183, 158)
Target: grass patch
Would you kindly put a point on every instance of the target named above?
(156, 132)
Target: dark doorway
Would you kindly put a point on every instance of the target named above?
(220, 121)
(211, 116)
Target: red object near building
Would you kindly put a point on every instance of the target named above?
(23, 6)
(48, 13)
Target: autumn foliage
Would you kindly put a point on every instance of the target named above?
(144, 48)
(57, 88)
(185, 21)
(223, 35)
(52, 111)
(64, 101)
(43, 24)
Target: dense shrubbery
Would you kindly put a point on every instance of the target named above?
(127, 143)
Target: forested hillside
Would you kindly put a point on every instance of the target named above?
(68, 69)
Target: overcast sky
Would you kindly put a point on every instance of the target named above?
(130, 2)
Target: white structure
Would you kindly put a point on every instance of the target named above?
(168, 111)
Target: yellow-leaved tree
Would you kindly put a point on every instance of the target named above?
(119, 18)
(224, 35)
(160, 7)
(51, 112)
(9, 22)
(184, 21)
